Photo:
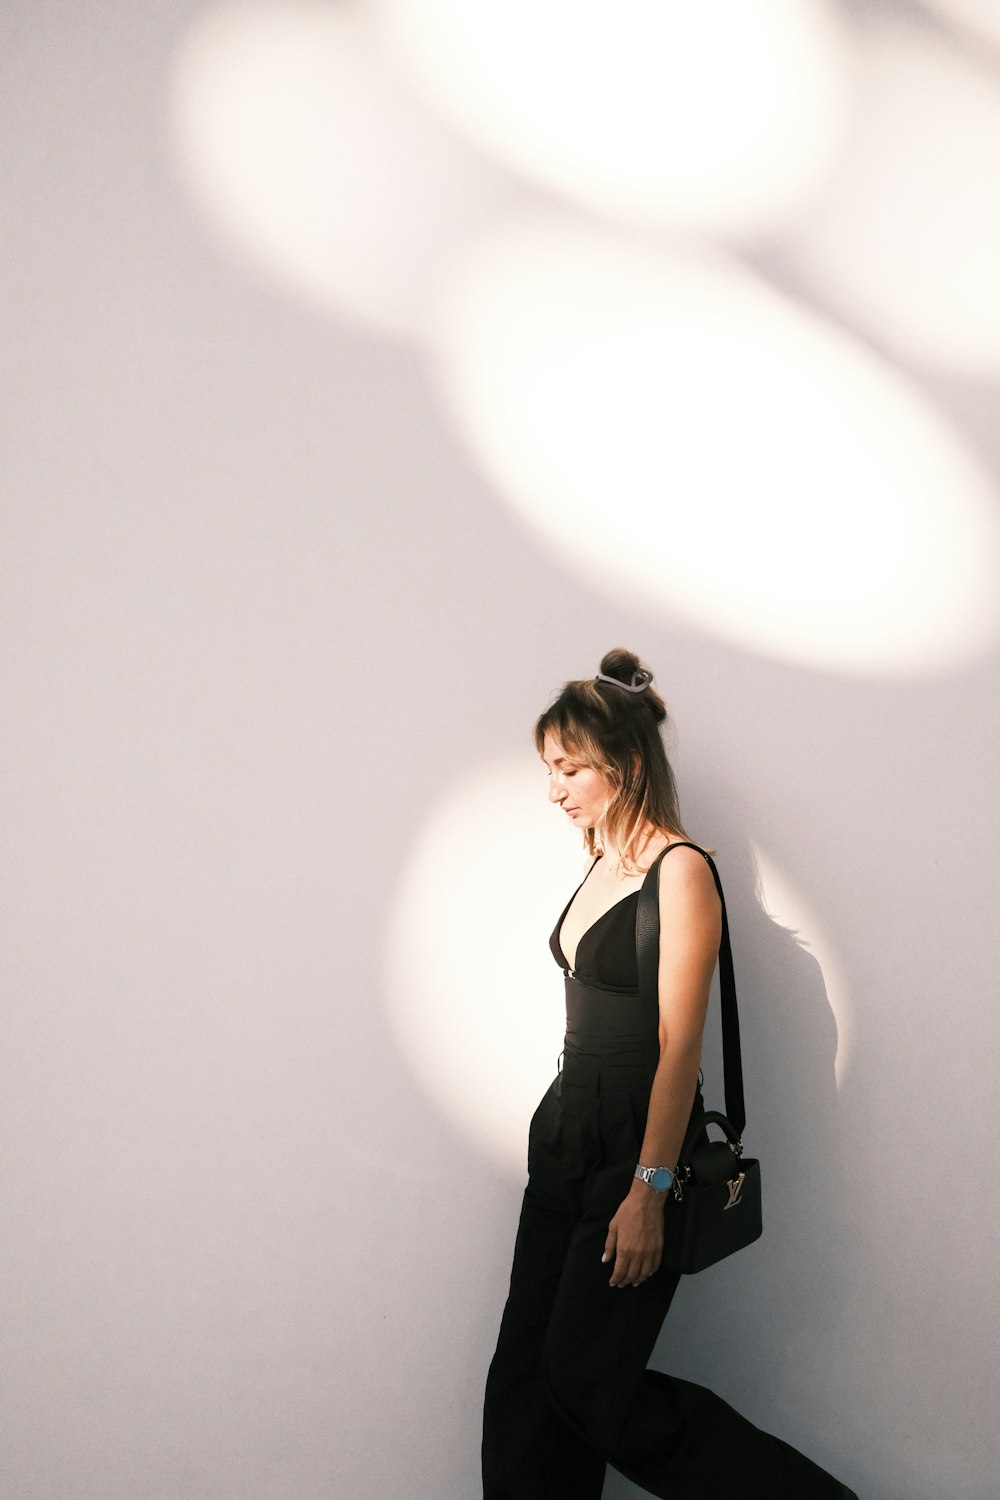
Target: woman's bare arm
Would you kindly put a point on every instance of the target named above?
(690, 929)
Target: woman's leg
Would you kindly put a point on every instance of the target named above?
(673, 1438)
(528, 1452)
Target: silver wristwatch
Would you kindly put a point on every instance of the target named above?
(660, 1179)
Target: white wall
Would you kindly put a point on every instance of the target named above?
(261, 613)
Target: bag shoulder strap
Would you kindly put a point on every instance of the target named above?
(647, 938)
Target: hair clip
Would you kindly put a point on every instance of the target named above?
(640, 680)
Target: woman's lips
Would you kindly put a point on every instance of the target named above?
(571, 809)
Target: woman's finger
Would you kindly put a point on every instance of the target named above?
(646, 1268)
(619, 1276)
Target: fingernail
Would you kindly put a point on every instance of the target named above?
(603, 1259)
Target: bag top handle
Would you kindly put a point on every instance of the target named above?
(647, 938)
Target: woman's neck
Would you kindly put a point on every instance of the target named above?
(649, 844)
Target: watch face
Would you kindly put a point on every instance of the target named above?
(661, 1179)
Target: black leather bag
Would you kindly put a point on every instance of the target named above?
(715, 1203)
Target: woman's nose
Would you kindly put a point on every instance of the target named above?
(556, 792)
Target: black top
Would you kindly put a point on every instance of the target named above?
(606, 951)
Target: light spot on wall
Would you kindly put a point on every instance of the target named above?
(906, 240)
(307, 154)
(475, 997)
(690, 440)
(783, 902)
(719, 116)
(979, 17)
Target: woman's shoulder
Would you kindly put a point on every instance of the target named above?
(689, 902)
(685, 866)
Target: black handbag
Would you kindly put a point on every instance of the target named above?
(714, 1208)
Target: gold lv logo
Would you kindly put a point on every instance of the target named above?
(735, 1190)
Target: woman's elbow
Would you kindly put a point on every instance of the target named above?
(682, 1047)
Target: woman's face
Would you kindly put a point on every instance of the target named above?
(581, 792)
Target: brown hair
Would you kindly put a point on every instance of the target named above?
(617, 733)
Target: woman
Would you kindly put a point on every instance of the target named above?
(568, 1389)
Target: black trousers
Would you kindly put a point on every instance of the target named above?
(568, 1390)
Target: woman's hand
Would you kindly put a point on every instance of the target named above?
(635, 1236)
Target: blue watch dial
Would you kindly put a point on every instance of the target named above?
(661, 1179)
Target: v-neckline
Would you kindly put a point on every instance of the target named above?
(571, 967)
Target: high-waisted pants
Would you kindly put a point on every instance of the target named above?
(568, 1390)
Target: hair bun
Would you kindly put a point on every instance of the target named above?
(624, 668)
(621, 664)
